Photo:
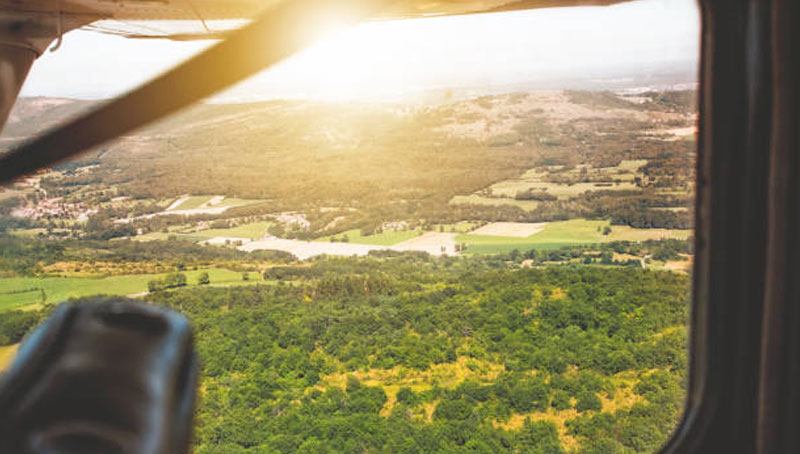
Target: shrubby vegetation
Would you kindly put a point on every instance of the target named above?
(26, 257)
(15, 324)
(562, 339)
(170, 281)
(405, 353)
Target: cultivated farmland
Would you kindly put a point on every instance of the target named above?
(554, 235)
(22, 292)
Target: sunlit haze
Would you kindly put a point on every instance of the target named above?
(651, 42)
(454, 234)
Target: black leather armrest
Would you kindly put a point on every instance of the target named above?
(109, 376)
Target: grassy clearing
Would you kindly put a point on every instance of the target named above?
(563, 191)
(19, 292)
(233, 202)
(28, 233)
(7, 353)
(632, 165)
(565, 233)
(558, 417)
(162, 236)
(575, 181)
(458, 227)
(252, 231)
(447, 375)
(387, 238)
(623, 398)
(193, 202)
(474, 199)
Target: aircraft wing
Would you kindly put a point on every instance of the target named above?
(239, 9)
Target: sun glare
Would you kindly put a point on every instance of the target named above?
(394, 60)
(410, 59)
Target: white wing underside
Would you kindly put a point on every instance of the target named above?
(203, 19)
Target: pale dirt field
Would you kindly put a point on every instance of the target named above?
(513, 229)
(680, 266)
(306, 249)
(432, 242)
(674, 134)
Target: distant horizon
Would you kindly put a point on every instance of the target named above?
(441, 94)
(641, 43)
(433, 94)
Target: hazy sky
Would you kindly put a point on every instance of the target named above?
(386, 59)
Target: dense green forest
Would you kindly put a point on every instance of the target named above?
(403, 353)
(416, 355)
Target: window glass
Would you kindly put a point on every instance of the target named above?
(448, 234)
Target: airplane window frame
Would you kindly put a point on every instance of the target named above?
(733, 167)
(735, 102)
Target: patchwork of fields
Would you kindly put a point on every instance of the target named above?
(198, 205)
(493, 238)
(433, 243)
(30, 292)
(565, 233)
(557, 183)
(251, 231)
(386, 238)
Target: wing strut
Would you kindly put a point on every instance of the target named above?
(276, 34)
(15, 62)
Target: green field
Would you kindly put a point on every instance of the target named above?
(252, 231)
(565, 233)
(28, 233)
(161, 236)
(619, 178)
(233, 202)
(474, 199)
(18, 292)
(193, 202)
(389, 238)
